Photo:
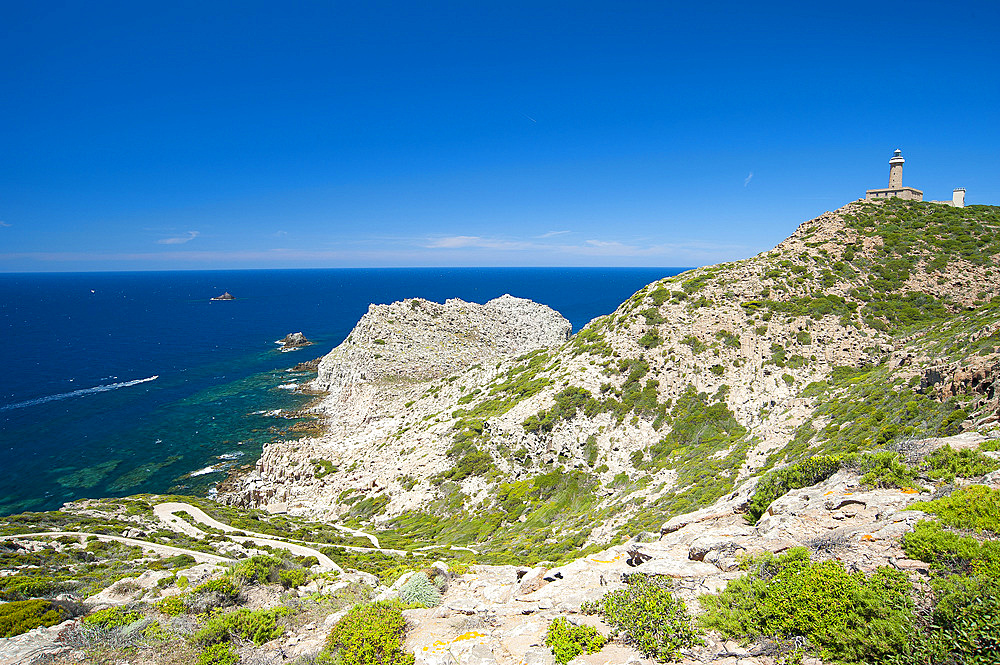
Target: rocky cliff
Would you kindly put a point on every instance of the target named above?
(800, 449)
(419, 340)
(833, 341)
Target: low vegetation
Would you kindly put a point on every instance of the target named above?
(568, 641)
(646, 615)
(368, 634)
(846, 617)
(880, 468)
(20, 616)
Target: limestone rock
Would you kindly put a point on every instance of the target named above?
(293, 341)
(422, 339)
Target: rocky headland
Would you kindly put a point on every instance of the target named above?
(789, 458)
(751, 353)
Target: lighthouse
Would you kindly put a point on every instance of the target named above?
(895, 190)
(896, 170)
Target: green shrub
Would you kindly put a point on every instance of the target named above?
(223, 586)
(848, 616)
(222, 592)
(568, 641)
(948, 551)
(650, 339)
(114, 617)
(990, 444)
(952, 425)
(367, 635)
(778, 483)
(647, 616)
(21, 616)
(172, 605)
(964, 623)
(728, 338)
(291, 579)
(974, 507)
(419, 590)
(966, 619)
(660, 296)
(25, 587)
(697, 346)
(322, 467)
(946, 463)
(219, 654)
(259, 626)
(260, 568)
(885, 469)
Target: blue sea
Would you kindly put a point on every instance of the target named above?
(120, 383)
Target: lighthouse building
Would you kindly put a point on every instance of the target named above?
(895, 190)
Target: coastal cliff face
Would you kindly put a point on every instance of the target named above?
(419, 340)
(801, 450)
(869, 325)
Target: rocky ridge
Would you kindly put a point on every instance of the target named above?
(413, 402)
(419, 340)
(638, 445)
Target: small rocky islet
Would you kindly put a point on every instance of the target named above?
(793, 457)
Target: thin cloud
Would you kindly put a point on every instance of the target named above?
(4, 224)
(191, 235)
(592, 247)
(453, 242)
(746, 181)
(280, 234)
(460, 242)
(552, 234)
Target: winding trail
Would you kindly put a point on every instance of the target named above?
(200, 557)
(167, 514)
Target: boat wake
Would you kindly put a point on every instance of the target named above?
(77, 393)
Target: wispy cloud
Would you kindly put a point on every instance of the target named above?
(746, 181)
(552, 234)
(280, 234)
(591, 247)
(4, 224)
(191, 235)
(459, 242)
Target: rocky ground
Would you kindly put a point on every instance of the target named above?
(492, 430)
(752, 336)
(499, 614)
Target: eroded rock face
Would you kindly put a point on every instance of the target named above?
(420, 339)
(293, 341)
(755, 339)
(381, 380)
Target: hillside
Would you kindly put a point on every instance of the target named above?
(869, 326)
(791, 458)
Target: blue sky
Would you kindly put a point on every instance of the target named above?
(195, 135)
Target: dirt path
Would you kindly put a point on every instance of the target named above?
(165, 512)
(200, 557)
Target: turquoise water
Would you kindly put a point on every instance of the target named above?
(120, 383)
